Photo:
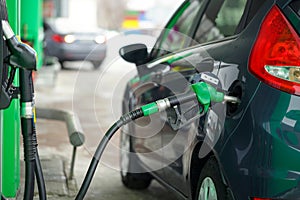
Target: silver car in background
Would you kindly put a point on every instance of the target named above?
(67, 44)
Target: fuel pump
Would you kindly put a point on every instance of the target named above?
(22, 56)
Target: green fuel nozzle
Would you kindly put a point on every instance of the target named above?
(206, 94)
(22, 55)
(203, 92)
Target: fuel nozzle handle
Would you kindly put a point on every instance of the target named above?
(203, 92)
(22, 55)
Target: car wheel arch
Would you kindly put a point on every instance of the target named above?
(197, 163)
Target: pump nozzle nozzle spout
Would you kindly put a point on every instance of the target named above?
(232, 99)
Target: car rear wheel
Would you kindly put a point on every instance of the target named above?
(137, 181)
(210, 184)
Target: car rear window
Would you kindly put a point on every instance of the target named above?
(176, 34)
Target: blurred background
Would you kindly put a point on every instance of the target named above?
(112, 14)
(77, 30)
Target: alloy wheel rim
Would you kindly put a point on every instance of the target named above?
(207, 190)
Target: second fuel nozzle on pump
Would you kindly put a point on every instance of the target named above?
(21, 54)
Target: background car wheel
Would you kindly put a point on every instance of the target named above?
(62, 64)
(96, 64)
(210, 184)
(128, 162)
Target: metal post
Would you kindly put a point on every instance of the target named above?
(75, 132)
(72, 163)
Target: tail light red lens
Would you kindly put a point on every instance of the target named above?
(58, 38)
(275, 56)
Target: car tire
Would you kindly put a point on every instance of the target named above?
(62, 66)
(128, 163)
(96, 64)
(210, 183)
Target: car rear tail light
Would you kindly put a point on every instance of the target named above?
(58, 38)
(275, 56)
(256, 198)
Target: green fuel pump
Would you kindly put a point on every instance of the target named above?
(25, 18)
(23, 57)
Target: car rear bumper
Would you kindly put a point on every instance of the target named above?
(264, 151)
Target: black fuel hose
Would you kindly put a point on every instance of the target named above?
(145, 110)
(33, 167)
(141, 112)
(29, 139)
(103, 143)
(29, 158)
(40, 178)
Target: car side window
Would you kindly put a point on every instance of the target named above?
(296, 6)
(220, 20)
(177, 33)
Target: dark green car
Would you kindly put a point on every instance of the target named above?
(247, 150)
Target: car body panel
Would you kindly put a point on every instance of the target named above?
(258, 147)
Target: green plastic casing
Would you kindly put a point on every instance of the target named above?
(206, 94)
(149, 109)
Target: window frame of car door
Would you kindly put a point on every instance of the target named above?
(240, 27)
